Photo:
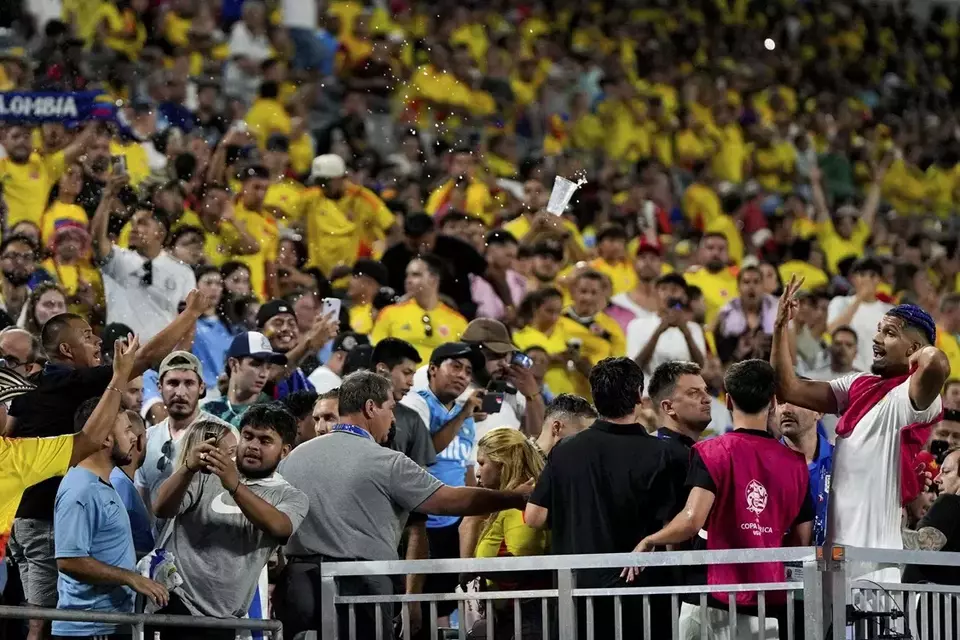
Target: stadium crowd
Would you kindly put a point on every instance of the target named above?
(327, 227)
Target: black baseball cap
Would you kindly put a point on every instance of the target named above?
(550, 248)
(272, 309)
(371, 269)
(417, 225)
(455, 351)
(278, 142)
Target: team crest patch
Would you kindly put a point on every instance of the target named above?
(756, 495)
(444, 331)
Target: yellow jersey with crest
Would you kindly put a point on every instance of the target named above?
(600, 337)
(425, 330)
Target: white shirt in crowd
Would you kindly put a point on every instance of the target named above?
(624, 300)
(828, 421)
(323, 379)
(865, 492)
(298, 14)
(511, 412)
(864, 322)
(145, 309)
(671, 344)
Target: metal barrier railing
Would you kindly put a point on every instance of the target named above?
(138, 621)
(559, 605)
(826, 599)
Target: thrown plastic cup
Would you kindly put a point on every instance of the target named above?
(563, 191)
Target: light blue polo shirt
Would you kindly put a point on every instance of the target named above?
(90, 521)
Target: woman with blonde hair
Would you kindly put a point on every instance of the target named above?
(202, 431)
(506, 459)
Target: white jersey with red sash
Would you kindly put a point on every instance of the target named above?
(878, 436)
(761, 486)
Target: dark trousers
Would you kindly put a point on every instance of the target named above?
(176, 607)
(444, 543)
(296, 600)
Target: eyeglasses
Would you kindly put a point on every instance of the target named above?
(427, 326)
(147, 278)
(10, 362)
(18, 257)
(167, 453)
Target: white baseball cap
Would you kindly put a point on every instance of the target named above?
(328, 166)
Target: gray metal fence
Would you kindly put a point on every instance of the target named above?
(137, 621)
(819, 586)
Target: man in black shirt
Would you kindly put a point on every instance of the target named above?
(682, 402)
(604, 484)
(73, 374)
(461, 259)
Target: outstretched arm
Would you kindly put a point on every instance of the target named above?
(810, 394)
(933, 369)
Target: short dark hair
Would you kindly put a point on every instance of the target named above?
(299, 403)
(951, 415)
(272, 415)
(845, 328)
(663, 382)
(568, 404)
(750, 384)
(714, 234)
(392, 351)
(83, 413)
(616, 384)
(591, 274)
(435, 265)
(748, 269)
(22, 239)
(360, 386)
(52, 333)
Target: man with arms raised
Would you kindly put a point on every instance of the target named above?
(902, 390)
(73, 373)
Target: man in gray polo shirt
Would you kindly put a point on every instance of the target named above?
(360, 497)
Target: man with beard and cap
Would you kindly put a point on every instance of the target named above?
(230, 516)
(94, 545)
(181, 387)
(713, 275)
(18, 259)
(278, 322)
(641, 301)
(72, 374)
(250, 362)
(901, 394)
(144, 285)
(122, 480)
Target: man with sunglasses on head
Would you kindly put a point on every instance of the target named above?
(181, 387)
(667, 336)
(143, 284)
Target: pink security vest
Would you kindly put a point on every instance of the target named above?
(761, 485)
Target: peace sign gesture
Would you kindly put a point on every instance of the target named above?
(787, 308)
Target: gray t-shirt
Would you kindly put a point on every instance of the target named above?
(412, 436)
(360, 496)
(218, 551)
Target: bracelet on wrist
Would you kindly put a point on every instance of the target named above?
(112, 388)
(233, 492)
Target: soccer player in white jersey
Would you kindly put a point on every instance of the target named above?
(902, 391)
